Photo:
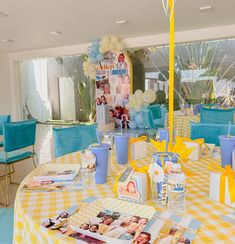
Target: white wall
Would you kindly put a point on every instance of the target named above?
(5, 85)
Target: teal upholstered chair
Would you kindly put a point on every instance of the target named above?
(154, 116)
(213, 123)
(3, 119)
(72, 139)
(16, 136)
(216, 116)
(210, 132)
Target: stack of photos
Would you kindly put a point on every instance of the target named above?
(54, 177)
(114, 227)
(167, 228)
(51, 186)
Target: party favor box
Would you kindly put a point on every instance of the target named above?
(220, 193)
(197, 152)
(138, 150)
(132, 186)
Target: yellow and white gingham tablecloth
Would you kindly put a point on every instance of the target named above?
(182, 124)
(31, 208)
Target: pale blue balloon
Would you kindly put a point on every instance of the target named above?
(92, 55)
(140, 126)
(100, 57)
(93, 60)
(132, 125)
(94, 49)
(132, 113)
(138, 119)
(96, 43)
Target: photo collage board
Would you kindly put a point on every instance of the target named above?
(114, 83)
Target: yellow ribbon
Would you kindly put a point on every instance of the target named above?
(199, 141)
(134, 140)
(225, 172)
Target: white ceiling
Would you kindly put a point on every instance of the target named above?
(81, 21)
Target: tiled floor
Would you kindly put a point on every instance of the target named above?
(44, 149)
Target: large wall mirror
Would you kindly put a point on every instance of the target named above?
(56, 88)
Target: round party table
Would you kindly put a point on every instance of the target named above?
(182, 124)
(31, 208)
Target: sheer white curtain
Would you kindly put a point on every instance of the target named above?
(34, 89)
(40, 75)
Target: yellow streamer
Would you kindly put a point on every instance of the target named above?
(179, 147)
(171, 69)
(225, 172)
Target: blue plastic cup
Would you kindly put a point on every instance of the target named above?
(102, 154)
(164, 135)
(122, 143)
(233, 158)
(226, 146)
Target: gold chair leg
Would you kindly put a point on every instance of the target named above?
(35, 162)
(7, 186)
(9, 167)
(4, 202)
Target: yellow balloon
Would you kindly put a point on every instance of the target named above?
(132, 103)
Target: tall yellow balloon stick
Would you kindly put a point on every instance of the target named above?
(171, 69)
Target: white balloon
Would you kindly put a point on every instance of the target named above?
(119, 46)
(137, 108)
(131, 97)
(138, 93)
(112, 46)
(105, 39)
(139, 101)
(132, 103)
(147, 96)
(145, 104)
(114, 40)
(152, 96)
(101, 50)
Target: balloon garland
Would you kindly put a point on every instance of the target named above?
(138, 101)
(96, 53)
